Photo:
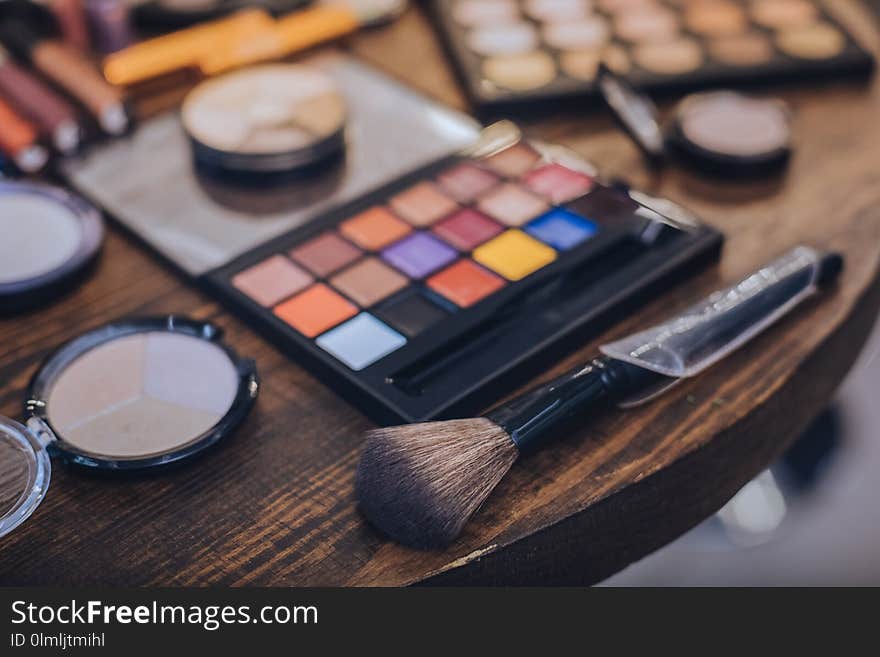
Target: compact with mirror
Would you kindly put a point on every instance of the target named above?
(130, 397)
(721, 132)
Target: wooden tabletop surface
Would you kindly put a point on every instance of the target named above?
(274, 505)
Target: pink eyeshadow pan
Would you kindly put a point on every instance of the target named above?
(325, 254)
(466, 182)
(512, 205)
(272, 280)
(467, 228)
(558, 183)
(422, 204)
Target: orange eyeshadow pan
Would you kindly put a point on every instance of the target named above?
(465, 283)
(422, 204)
(272, 280)
(314, 311)
(374, 229)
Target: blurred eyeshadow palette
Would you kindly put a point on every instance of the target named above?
(435, 294)
(512, 53)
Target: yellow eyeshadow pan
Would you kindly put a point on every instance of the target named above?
(514, 255)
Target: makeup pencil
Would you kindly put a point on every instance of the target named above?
(71, 71)
(54, 116)
(18, 140)
(420, 483)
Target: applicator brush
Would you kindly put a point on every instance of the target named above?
(420, 483)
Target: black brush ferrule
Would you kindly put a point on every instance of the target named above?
(544, 412)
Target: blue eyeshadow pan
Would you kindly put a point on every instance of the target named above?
(562, 229)
(361, 341)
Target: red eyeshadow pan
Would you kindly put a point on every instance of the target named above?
(466, 182)
(558, 183)
(465, 283)
(467, 229)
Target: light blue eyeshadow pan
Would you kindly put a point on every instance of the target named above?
(361, 341)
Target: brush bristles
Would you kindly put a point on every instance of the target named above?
(420, 483)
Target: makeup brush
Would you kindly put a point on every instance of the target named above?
(420, 483)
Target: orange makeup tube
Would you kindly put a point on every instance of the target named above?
(18, 140)
(246, 37)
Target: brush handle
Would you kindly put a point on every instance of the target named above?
(544, 411)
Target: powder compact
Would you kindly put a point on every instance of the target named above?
(519, 54)
(721, 132)
(270, 118)
(49, 239)
(131, 396)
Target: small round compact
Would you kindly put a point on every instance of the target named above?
(732, 132)
(719, 132)
(131, 396)
(272, 118)
(49, 239)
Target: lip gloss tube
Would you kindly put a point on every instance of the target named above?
(53, 115)
(71, 71)
(18, 140)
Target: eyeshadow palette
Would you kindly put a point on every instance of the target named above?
(513, 53)
(438, 292)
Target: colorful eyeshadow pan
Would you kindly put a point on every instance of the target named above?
(423, 204)
(374, 228)
(467, 228)
(419, 254)
(272, 280)
(562, 229)
(314, 311)
(514, 255)
(361, 341)
(465, 283)
(325, 254)
(466, 182)
(512, 205)
(558, 183)
(412, 313)
(369, 281)
(533, 54)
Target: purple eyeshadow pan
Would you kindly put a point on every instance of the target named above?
(419, 254)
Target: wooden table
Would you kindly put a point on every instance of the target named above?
(275, 505)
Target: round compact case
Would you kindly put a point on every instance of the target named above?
(272, 118)
(727, 131)
(48, 239)
(720, 132)
(131, 396)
